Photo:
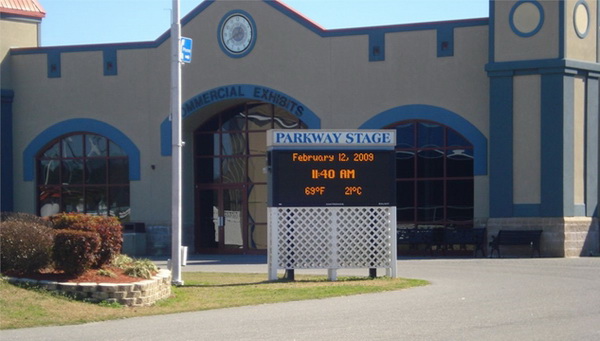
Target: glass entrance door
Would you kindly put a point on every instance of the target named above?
(221, 214)
(230, 156)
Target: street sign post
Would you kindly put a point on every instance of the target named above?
(186, 50)
(177, 146)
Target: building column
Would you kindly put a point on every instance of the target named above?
(592, 148)
(6, 150)
(501, 145)
(557, 134)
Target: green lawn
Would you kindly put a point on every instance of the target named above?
(22, 308)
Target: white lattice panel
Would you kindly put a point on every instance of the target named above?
(332, 238)
(364, 238)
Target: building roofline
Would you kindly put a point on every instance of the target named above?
(278, 5)
(27, 9)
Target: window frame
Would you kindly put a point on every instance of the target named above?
(106, 188)
(417, 179)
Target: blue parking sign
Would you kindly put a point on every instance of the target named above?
(186, 50)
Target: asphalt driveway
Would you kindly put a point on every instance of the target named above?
(468, 299)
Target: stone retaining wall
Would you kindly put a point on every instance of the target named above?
(138, 294)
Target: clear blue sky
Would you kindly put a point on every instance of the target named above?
(74, 22)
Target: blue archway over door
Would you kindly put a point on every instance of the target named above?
(239, 91)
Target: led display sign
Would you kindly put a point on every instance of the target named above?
(331, 168)
(337, 177)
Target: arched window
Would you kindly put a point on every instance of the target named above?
(434, 175)
(83, 172)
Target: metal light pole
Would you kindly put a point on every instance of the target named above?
(177, 146)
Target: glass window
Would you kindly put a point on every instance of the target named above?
(405, 135)
(233, 144)
(49, 173)
(456, 140)
(459, 162)
(434, 171)
(405, 190)
(72, 171)
(53, 151)
(430, 200)
(84, 173)
(95, 172)
(430, 135)
(235, 123)
(234, 170)
(72, 146)
(95, 146)
(115, 150)
(257, 143)
(405, 164)
(118, 171)
(430, 163)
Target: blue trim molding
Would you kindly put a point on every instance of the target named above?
(376, 47)
(501, 146)
(540, 66)
(439, 115)
(561, 29)
(238, 91)
(109, 57)
(445, 42)
(526, 210)
(538, 27)
(586, 7)
(557, 185)
(6, 151)
(80, 125)
(53, 64)
(376, 34)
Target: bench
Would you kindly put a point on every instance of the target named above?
(516, 237)
(442, 238)
(464, 237)
(415, 237)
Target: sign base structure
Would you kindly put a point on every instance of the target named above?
(332, 238)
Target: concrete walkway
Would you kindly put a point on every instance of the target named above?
(468, 299)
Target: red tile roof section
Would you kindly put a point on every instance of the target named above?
(26, 8)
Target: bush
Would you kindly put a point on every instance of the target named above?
(121, 261)
(24, 217)
(25, 244)
(142, 268)
(75, 251)
(109, 229)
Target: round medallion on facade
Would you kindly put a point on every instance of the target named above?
(237, 34)
(526, 18)
(581, 18)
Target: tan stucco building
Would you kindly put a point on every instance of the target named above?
(496, 118)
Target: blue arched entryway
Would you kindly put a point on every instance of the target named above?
(250, 92)
(226, 131)
(439, 115)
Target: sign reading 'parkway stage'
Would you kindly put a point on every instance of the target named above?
(332, 168)
(332, 199)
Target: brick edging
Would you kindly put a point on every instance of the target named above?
(137, 294)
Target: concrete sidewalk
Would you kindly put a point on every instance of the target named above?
(468, 299)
